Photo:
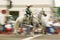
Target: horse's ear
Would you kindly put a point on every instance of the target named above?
(44, 14)
(40, 23)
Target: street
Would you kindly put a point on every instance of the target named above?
(48, 37)
(35, 37)
(11, 37)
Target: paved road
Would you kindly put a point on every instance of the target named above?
(20, 37)
(11, 37)
(48, 37)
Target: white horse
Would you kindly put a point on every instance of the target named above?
(36, 20)
(23, 17)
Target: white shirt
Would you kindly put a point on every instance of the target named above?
(49, 23)
(8, 26)
(30, 25)
(56, 24)
(2, 18)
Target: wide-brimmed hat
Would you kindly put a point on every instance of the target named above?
(29, 5)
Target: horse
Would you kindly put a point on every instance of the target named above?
(36, 19)
(20, 20)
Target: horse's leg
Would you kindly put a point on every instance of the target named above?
(16, 26)
(18, 22)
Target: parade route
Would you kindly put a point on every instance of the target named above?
(11, 37)
(15, 37)
(48, 37)
(35, 37)
(30, 38)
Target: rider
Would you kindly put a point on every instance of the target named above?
(29, 25)
(28, 11)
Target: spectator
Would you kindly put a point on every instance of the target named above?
(49, 27)
(1, 28)
(8, 27)
(29, 29)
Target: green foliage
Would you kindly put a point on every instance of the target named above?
(57, 13)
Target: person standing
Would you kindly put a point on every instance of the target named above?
(49, 27)
(3, 19)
